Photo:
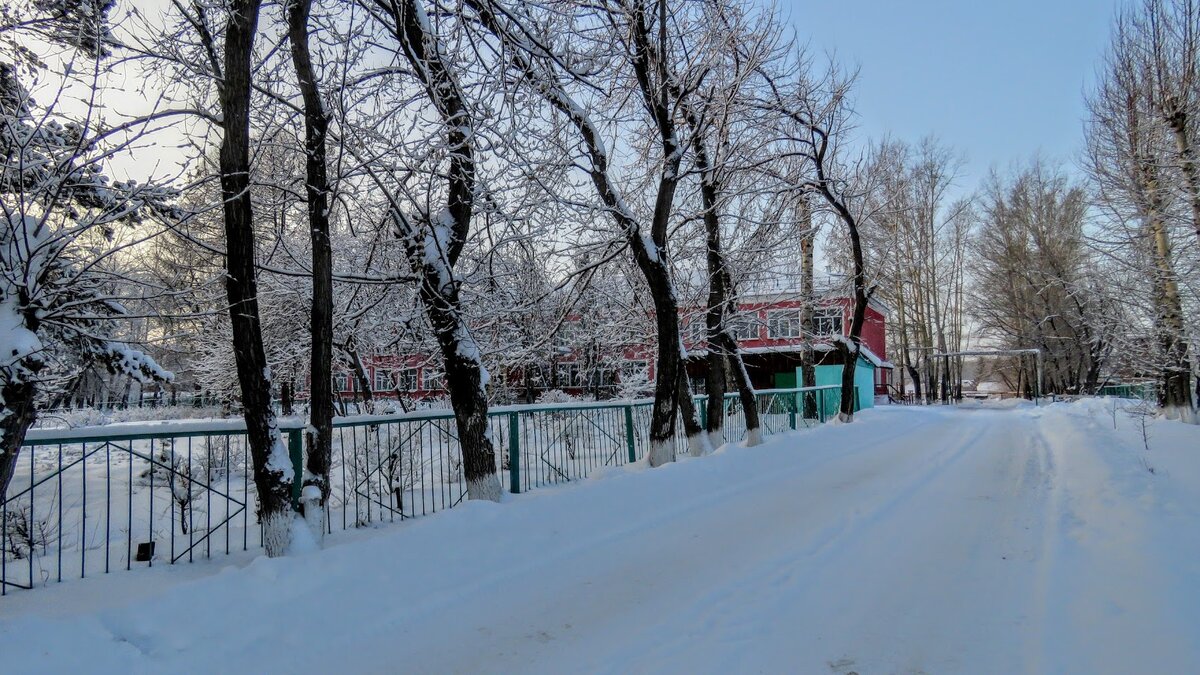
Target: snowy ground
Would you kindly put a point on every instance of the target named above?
(914, 540)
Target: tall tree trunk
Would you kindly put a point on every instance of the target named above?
(465, 379)
(722, 348)
(1178, 123)
(19, 416)
(687, 412)
(435, 246)
(1176, 397)
(714, 386)
(273, 472)
(808, 305)
(851, 345)
(286, 399)
(741, 380)
(670, 357)
(317, 190)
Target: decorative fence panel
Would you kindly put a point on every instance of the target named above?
(97, 499)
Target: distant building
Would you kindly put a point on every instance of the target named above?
(766, 326)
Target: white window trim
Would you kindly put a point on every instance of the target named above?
(829, 312)
(793, 318)
(748, 322)
(433, 379)
(389, 379)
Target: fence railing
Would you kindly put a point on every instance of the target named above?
(92, 500)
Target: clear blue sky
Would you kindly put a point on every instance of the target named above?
(999, 80)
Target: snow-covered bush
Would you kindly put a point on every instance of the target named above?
(552, 396)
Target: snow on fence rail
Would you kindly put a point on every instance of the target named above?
(92, 500)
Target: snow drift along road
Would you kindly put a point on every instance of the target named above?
(914, 540)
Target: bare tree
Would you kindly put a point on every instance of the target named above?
(727, 145)
(1033, 277)
(642, 30)
(273, 471)
(1162, 39)
(317, 192)
(814, 117)
(435, 241)
(1128, 158)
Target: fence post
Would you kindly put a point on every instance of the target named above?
(820, 394)
(514, 454)
(703, 411)
(630, 442)
(296, 452)
(792, 410)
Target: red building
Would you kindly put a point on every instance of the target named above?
(766, 326)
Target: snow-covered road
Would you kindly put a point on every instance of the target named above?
(913, 540)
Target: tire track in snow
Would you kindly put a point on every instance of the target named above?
(827, 528)
(650, 560)
(789, 572)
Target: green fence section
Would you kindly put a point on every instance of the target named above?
(92, 500)
(1143, 391)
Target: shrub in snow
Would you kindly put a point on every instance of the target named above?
(552, 396)
(26, 535)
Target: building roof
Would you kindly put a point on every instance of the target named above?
(798, 348)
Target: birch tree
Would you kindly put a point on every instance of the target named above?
(1129, 161)
(814, 119)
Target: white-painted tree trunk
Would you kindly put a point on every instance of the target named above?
(754, 437)
(661, 452)
(314, 512)
(487, 488)
(277, 533)
(698, 445)
(716, 439)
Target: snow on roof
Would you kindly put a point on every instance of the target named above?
(797, 348)
(876, 360)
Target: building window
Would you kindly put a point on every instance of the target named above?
(343, 382)
(435, 379)
(784, 324)
(401, 379)
(697, 330)
(569, 375)
(828, 320)
(743, 327)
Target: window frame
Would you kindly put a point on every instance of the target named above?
(433, 379)
(744, 327)
(574, 375)
(396, 379)
(834, 315)
(775, 317)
